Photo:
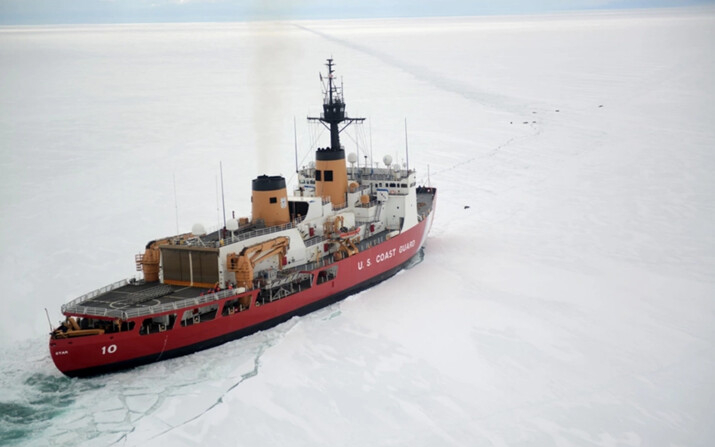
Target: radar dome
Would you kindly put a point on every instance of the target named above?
(198, 230)
(387, 159)
(352, 158)
(232, 225)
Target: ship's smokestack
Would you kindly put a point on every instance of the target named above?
(270, 200)
(331, 175)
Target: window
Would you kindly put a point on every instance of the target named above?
(273, 200)
(199, 315)
(328, 274)
(106, 325)
(318, 176)
(235, 306)
(267, 295)
(297, 209)
(328, 176)
(157, 324)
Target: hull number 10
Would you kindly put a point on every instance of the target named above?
(111, 349)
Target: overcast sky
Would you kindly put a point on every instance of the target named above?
(130, 11)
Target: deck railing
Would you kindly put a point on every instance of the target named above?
(254, 233)
(75, 306)
(240, 237)
(88, 296)
(326, 260)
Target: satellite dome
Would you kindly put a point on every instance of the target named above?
(387, 159)
(352, 157)
(232, 225)
(198, 230)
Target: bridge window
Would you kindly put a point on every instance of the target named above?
(273, 200)
(318, 175)
(328, 176)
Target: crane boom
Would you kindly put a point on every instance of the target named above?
(243, 263)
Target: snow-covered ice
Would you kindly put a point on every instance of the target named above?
(567, 295)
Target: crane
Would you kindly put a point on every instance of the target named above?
(243, 263)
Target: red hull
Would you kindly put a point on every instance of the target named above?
(97, 354)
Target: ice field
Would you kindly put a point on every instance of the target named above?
(567, 295)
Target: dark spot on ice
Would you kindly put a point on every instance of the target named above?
(600, 105)
(557, 110)
(466, 207)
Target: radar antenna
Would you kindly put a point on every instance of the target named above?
(334, 109)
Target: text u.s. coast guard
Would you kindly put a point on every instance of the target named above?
(385, 255)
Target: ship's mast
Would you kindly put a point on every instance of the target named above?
(334, 109)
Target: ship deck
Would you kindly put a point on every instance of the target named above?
(142, 295)
(133, 298)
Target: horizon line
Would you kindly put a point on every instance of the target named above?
(178, 20)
